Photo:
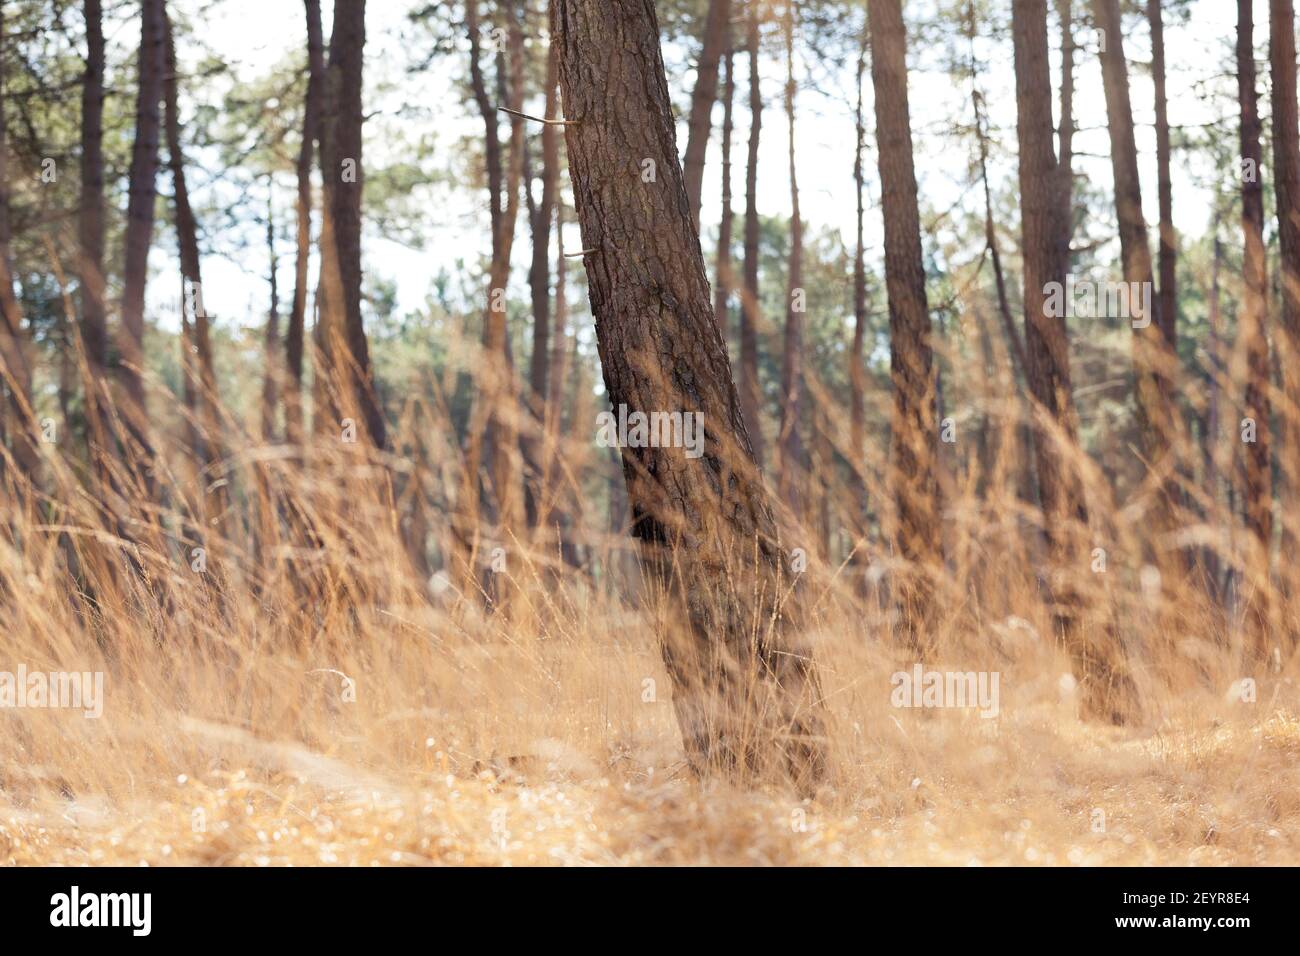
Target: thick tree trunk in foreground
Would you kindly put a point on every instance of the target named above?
(746, 692)
(342, 175)
(717, 33)
(139, 231)
(913, 426)
(1286, 178)
(751, 401)
(1258, 463)
(295, 334)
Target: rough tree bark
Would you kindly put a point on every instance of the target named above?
(295, 334)
(746, 691)
(913, 426)
(717, 32)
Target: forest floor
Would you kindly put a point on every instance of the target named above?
(554, 755)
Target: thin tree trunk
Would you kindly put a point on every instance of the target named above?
(1167, 310)
(913, 426)
(539, 281)
(1258, 463)
(1065, 132)
(708, 533)
(90, 232)
(139, 234)
(716, 40)
(15, 373)
(295, 335)
(196, 366)
(271, 344)
(723, 286)
(793, 467)
(857, 368)
(750, 309)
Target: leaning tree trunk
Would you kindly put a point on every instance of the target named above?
(139, 233)
(746, 691)
(716, 40)
(1286, 179)
(1259, 478)
(913, 427)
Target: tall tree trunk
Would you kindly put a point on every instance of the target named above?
(913, 426)
(751, 314)
(1065, 132)
(708, 532)
(857, 368)
(1151, 359)
(1097, 662)
(90, 234)
(139, 232)
(1286, 177)
(15, 372)
(1167, 310)
(723, 286)
(539, 281)
(342, 174)
(196, 366)
(271, 344)
(716, 40)
(793, 467)
(1258, 467)
(295, 334)
(491, 424)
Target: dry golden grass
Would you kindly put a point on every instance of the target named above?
(526, 736)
